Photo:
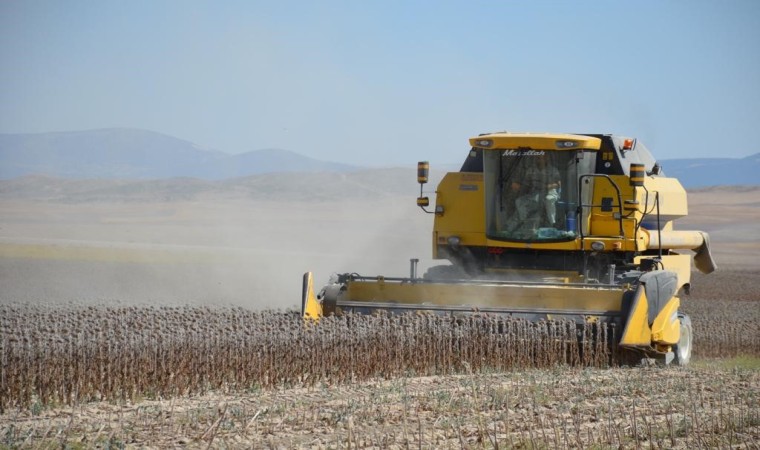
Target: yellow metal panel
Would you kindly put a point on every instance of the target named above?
(602, 220)
(312, 309)
(614, 244)
(672, 197)
(603, 188)
(680, 264)
(461, 196)
(603, 224)
(469, 239)
(545, 276)
(666, 328)
(537, 141)
(563, 245)
(528, 297)
(637, 332)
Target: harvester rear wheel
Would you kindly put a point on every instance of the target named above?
(682, 350)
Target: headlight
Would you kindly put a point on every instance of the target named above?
(566, 144)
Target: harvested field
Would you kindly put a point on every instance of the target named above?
(140, 326)
(699, 407)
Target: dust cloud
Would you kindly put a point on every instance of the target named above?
(253, 253)
(232, 252)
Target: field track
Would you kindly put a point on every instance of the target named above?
(712, 405)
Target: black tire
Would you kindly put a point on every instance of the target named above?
(682, 350)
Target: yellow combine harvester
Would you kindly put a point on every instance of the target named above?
(549, 227)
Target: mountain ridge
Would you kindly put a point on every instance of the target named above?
(139, 154)
(703, 172)
(136, 154)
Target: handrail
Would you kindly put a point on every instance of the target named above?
(581, 205)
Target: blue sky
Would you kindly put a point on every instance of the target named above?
(386, 83)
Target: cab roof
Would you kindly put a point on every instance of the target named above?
(535, 141)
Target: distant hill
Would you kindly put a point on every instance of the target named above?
(703, 172)
(130, 154)
(139, 154)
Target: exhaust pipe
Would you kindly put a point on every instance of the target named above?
(413, 268)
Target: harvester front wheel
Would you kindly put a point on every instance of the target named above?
(682, 350)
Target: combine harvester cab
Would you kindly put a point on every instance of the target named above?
(549, 227)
